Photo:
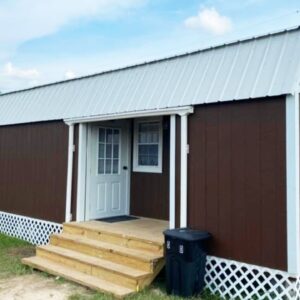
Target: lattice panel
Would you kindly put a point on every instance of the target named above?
(235, 280)
(31, 230)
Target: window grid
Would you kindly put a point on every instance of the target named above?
(108, 151)
(148, 144)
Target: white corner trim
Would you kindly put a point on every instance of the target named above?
(136, 114)
(172, 171)
(81, 176)
(292, 173)
(69, 173)
(183, 169)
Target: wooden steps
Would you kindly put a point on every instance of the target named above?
(92, 282)
(119, 263)
(136, 258)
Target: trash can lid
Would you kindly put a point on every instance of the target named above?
(187, 234)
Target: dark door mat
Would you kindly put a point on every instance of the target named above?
(117, 219)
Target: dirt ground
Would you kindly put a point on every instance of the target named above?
(36, 287)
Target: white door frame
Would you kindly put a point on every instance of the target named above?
(82, 211)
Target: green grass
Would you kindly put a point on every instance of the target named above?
(11, 252)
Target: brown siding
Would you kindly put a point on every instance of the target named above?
(33, 170)
(237, 180)
(150, 191)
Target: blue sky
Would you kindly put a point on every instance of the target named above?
(51, 40)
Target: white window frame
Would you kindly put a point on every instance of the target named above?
(147, 169)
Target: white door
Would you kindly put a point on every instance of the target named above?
(108, 168)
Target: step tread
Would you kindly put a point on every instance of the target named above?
(79, 277)
(95, 261)
(124, 232)
(119, 249)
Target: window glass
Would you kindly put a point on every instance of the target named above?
(148, 143)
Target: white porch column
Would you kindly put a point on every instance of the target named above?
(172, 170)
(68, 215)
(81, 176)
(292, 173)
(183, 169)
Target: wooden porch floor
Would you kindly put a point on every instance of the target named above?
(142, 228)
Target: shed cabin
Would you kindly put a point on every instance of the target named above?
(103, 164)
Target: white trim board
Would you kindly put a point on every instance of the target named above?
(137, 114)
(292, 177)
(172, 173)
(68, 214)
(81, 175)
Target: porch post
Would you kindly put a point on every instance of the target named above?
(68, 215)
(81, 176)
(172, 170)
(183, 169)
(292, 177)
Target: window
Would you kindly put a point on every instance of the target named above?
(108, 151)
(148, 146)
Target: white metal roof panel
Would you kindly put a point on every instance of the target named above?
(262, 66)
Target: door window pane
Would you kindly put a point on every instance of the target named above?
(116, 151)
(101, 166)
(101, 150)
(115, 166)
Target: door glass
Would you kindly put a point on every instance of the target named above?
(108, 151)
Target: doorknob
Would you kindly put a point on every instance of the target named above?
(125, 168)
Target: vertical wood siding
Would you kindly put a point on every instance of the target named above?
(33, 170)
(237, 179)
(150, 191)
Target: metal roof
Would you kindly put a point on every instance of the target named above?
(262, 66)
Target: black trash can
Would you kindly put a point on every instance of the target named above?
(185, 261)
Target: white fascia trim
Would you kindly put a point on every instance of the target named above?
(292, 173)
(81, 176)
(172, 184)
(68, 215)
(137, 114)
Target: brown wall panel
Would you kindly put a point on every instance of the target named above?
(150, 191)
(237, 180)
(33, 170)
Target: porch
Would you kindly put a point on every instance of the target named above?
(116, 258)
(128, 164)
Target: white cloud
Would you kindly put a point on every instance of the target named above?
(210, 20)
(23, 20)
(70, 75)
(18, 73)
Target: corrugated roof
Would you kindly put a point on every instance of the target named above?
(263, 66)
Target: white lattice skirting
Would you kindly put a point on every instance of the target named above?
(234, 280)
(34, 231)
